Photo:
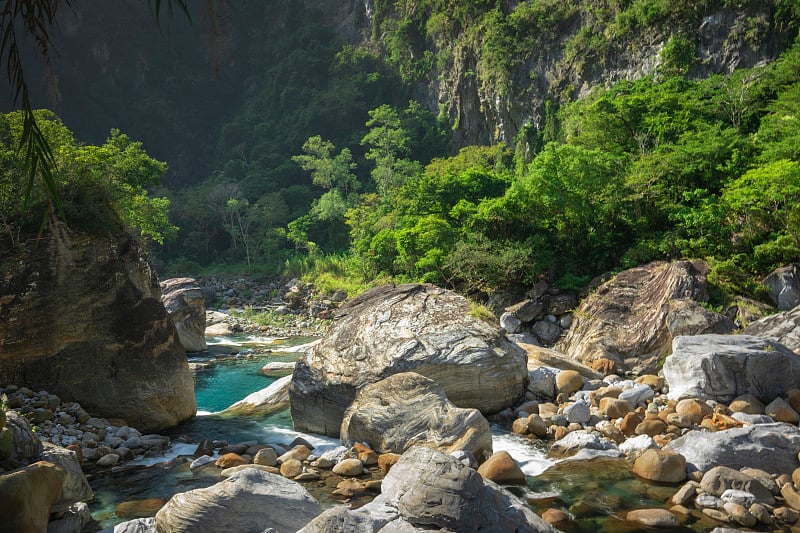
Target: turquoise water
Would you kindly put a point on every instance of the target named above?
(226, 382)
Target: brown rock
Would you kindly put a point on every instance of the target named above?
(560, 432)
(387, 460)
(26, 496)
(747, 403)
(629, 424)
(299, 452)
(78, 451)
(555, 516)
(693, 409)
(520, 426)
(780, 411)
(139, 508)
(604, 366)
(229, 460)
(291, 468)
(786, 515)
(501, 468)
(568, 382)
(615, 408)
(793, 397)
(596, 396)
(651, 427)
(791, 496)
(349, 467)
(537, 426)
(654, 382)
(652, 518)
(661, 465)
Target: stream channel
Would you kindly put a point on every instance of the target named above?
(594, 492)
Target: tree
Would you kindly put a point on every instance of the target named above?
(328, 171)
(388, 145)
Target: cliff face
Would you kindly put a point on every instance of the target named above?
(81, 317)
(559, 51)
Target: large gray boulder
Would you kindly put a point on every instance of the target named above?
(74, 488)
(631, 318)
(783, 285)
(782, 327)
(184, 301)
(249, 500)
(722, 367)
(428, 490)
(408, 409)
(769, 447)
(392, 329)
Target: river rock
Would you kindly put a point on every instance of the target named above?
(783, 328)
(625, 319)
(349, 467)
(91, 328)
(721, 479)
(722, 367)
(408, 409)
(74, 487)
(430, 489)
(263, 402)
(249, 500)
(183, 299)
(661, 465)
(576, 441)
(503, 469)
(27, 495)
(660, 518)
(783, 285)
(139, 508)
(392, 329)
(769, 447)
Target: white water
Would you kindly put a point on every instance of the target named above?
(531, 459)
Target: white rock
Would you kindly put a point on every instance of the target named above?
(636, 446)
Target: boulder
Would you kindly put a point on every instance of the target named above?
(625, 319)
(91, 328)
(769, 447)
(660, 465)
(263, 402)
(783, 328)
(783, 285)
(74, 487)
(393, 329)
(429, 489)
(503, 469)
(408, 409)
(183, 299)
(658, 518)
(721, 479)
(249, 500)
(722, 367)
(25, 445)
(27, 496)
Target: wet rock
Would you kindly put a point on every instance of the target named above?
(501, 468)
(139, 508)
(652, 518)
(576, 441)
(661, 465)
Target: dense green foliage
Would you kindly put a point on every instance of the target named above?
(101, 187)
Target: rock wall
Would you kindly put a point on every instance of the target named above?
(81, 316)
